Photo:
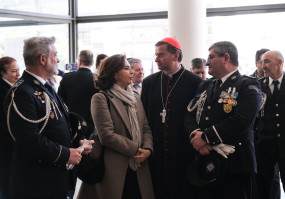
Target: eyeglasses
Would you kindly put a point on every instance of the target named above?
(265, 61)
(210, 57)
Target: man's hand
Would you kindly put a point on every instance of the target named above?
(142, 155)
(197, 140)
(75, 156)
(87, 146)
(205, 150)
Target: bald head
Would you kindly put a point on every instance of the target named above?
(272, 64)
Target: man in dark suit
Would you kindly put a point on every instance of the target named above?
(165, 96)
(222, 115)
(77, 89)
(38, 124)
(270, 144)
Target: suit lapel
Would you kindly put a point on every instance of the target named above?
(120, 108)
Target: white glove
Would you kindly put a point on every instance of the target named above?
(224, 149)
(85, 144)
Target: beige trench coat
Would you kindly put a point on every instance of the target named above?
(113, 128)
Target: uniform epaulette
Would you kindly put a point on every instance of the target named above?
(17, 84)
(249, 77)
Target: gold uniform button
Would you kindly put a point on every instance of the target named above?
(278, 135)
(276, 105)
(209, 107)
(277, 115)
(206, 118)
(239, 143)
(277, 125)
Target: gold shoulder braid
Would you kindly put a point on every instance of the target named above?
(199, 105)
(49, 103)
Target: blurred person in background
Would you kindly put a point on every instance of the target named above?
(137, 67)
(198, 66)
(10, 74)
(99, 60)
(259, 73)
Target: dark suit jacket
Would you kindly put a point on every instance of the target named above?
(235, 127)
(39, 159)
(76, 90)
(6, 145)
(270, 122)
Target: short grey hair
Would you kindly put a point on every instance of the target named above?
(222, 47)
(133, 60)
(36, 46)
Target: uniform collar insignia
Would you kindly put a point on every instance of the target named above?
(37, 93)
(36, 82)
(18, 83)
(264, 81)
(233, 77)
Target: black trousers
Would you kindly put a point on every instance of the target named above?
(131, 186)
(234, 186)
(4, 178)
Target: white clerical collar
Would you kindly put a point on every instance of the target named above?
(7, 81)
(37, 77)
(227, 76)
(170, 75)
(279, 80)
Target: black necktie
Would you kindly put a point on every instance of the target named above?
(52, 91)
(275, 90)
(217, 85)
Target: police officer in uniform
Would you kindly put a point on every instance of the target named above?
(221, 118)
(270, 143)
(38, 123)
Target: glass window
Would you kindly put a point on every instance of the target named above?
(56, 7)
(132, 38)
(249, 33)
(11, 41)
(111, 7)
(234, 3)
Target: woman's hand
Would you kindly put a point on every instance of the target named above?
(142, 155)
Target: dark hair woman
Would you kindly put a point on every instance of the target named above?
(123, 130)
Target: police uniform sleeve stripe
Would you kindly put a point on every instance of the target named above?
(58, 154)
(217, 134)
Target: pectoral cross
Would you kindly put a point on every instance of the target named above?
(163, 115)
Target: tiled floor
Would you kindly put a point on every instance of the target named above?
(79, 183)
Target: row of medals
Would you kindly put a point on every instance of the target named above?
(229, 99)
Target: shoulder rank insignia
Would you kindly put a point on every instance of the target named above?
(253, 87)
(36, 82)
(37, 93)
(18, 83)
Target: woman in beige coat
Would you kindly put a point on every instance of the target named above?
(123, 130)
